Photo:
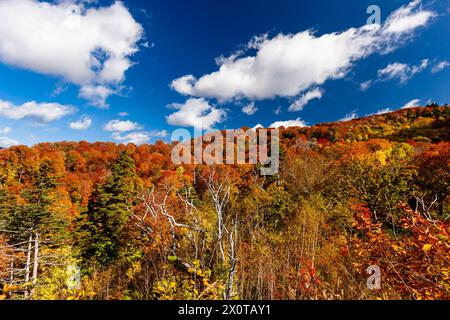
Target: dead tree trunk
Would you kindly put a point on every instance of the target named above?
(27, 266)
(219, 192)
(219, 187)
(233, 260)
(11, 274)
(36, 258)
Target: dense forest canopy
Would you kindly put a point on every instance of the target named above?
(349, 195)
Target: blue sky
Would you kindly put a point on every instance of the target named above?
(137, 70)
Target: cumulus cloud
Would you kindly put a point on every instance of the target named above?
(139, 137)
(122, 126)
(411, 104)
(302, 101)
(250, 109)
(84, 123)
(440, 66)
(183, 84)
(287, 65)
(96, 95)
(87, 46)
(197, 113)
(133, 137)
(159, 133)
(401, 71)
(289, 123)
(121, 132)
(44, 112)
(349, 116)
(6, 142)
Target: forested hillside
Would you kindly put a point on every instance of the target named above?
(349, 195)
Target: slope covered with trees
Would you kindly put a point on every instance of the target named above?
(349, 195)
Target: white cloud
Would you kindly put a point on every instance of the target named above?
(183, 84)
(380, 112)
(349, 116)
(394, 70)
(288, 65)
(197, 113)
(6, 142)
(45, 112)
(383, 111)
(138, 137)
(122, 126)
(440, 66)
(123, 114)
(407, 19)
(289, 123)
(84, 123)
(278, 110)
(283, 66)
(133, 137)
(302, 101)
(401, 71)
(121, 132)
(365, 85)
(411, 104)
(158, 133)
(250, 109)
(258, 126)
(87, 46)
(96, 95)
(5, 130)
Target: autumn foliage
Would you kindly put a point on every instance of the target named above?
(349, 195)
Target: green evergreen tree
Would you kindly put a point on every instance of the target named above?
(7, 207)
(34, 213)
(108, 212)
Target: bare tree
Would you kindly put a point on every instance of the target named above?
(232, 255)
(219, 188)
(219, 191)
(156, 205)
(22, 255)
(423, 207)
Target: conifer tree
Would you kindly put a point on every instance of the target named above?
(34, 212)
(108, 212)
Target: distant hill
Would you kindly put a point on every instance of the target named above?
(420, 124)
